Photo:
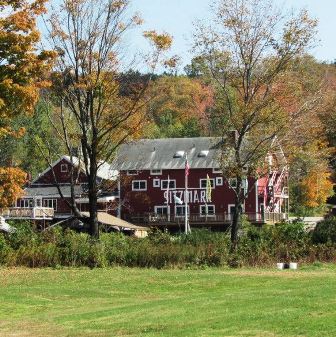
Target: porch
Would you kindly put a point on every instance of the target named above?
(29, 213)
(198, 220)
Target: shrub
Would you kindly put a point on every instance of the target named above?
(258, 246)
(325, 231)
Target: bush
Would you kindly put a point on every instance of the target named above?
(258, 246)
(325, 231)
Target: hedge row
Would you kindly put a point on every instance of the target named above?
(257, 247)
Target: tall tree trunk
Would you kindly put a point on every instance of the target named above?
(93, 195)
(93, 209)
(236, 221)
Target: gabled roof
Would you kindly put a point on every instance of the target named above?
(51, 191)
(151, 154)
(170, 153)
(105, 170)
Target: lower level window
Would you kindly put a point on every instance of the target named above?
(207, 210)
(180, 210)
(161, 210)
(50, 203)
(139, 185)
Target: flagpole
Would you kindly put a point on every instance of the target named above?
(168, 204)
(186, 197)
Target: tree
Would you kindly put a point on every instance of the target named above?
(22, 70)
(178, 107)
(245, 56)
(95, 113)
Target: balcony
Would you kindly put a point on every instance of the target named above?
(29, 213)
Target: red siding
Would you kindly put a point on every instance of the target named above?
(144, 201)
(62, 177)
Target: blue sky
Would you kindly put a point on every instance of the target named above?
(177, 17)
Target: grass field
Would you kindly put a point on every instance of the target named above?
(148, 302)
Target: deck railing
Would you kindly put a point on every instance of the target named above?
(29, 213)
(218, 218)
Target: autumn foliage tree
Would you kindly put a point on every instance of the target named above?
(178, 107)
(95, 115)
(245, 53)
(22, 70)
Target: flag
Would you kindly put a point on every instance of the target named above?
(187, 168)
(177, 200)
(168, 181)
(208, 189)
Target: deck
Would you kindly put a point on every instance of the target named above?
(197, 220)
(31, 213)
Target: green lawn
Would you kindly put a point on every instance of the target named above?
(147, 302)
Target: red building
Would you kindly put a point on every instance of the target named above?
(42, 199)
(147, 166)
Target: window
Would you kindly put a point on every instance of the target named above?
(203, 183)
(64, 167)
(50, 203)
(180, 210)
(26, 203)
(207, 210)
(217, 170)
(156, 182)
(203, 153)
(155, 172)
(132, 172)
(161, 210)
(219, 181)
(233, 182)
(231, 208)
(179, 154)
(139, 185)
(164, 184)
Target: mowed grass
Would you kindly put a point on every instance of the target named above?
(148, 302)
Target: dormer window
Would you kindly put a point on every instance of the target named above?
(132, 172)
(203, 153)
(64, 167)
(179, 154)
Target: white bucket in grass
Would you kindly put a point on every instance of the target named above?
(293, 265)
(280, 266)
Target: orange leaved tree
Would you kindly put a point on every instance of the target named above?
(22, 69)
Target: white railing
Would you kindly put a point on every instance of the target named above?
(29, 213)
(218, 218)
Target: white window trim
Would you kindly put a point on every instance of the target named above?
(230, 185)
(156, 183)
(132, 174)
(159, 206)
(64, 166)
(213, 183)
(53, 202)
(170, 188)
(206, 205)
(159, 173)
(219, 181)
(216, 170)
(243, 207)
(229, 206)
(140, 189)
(183, 215)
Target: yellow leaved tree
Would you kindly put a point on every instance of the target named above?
(22, 69)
